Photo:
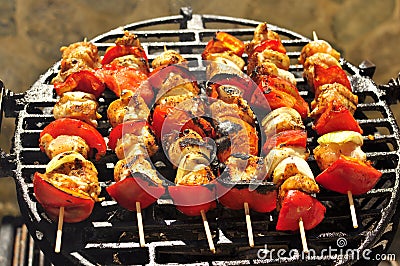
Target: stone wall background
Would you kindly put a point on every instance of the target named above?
(32, 31)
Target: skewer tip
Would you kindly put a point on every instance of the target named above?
(315, 36)
(249, 226)
(303, 236)
(352, 209)
(57, 248)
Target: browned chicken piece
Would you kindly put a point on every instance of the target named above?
(133, 62)
(132, 165)
(189, 142)
(239, 108)
(321, 59)
(261, 33)
(77, 56)
(63, 143)
(72, 173)
(168, 57)
(235, 136)
(327, 154)
(298, 182)
(279, 59)
(130, 144)
(194, 170)
(227, 58)
(333, 92)
(128, 39)
(281, 119)
(319, 46)
(243, 167)
(196, 177)
(78, 105)
(129, 107)
(266, 68)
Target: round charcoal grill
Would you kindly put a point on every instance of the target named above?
(110, 235)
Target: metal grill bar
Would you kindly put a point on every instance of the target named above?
(110, 234)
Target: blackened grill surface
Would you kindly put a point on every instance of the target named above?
(110, 235)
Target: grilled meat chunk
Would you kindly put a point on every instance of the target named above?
(279, 59)
(137, 164)
(319, 46)
(63, 143)
(243, 167)
(330, 93)
(131, 144)
(129, 107)
(76, 57)
(168, 57)
(78, 105)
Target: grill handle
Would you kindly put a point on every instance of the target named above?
(392, 90)
(10, 105)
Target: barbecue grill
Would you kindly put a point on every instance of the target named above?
(110, 235)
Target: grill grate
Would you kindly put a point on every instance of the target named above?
(110, 235)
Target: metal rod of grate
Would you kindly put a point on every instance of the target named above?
(109, 236)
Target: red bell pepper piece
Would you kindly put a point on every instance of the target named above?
(234, 198)
(135, 189)
(191, 200)
(113, 52)
(336, 117)
(74, 127)
(349, 174)
(286, 138)
(296, 205)
(161, 73)
(330, 75)
(119, 78)
(76, 209)
(83, 80)
(222, 42)
(275, 45)
(280, 93)
(271, 99)
(116, 133)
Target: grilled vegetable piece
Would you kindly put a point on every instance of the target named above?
(285, 138)
(334, 144)
(329, 75)
(282, 119)
(136, 181)
(278, 154)
(291, 166)
(222, 42)
(71, 182)
(120, 78)
(74, 127)
(295, 205)
(336, 117)
(85, 80)
(349, 174)
(78, 105)
(76, 57)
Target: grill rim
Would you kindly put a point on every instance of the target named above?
(33, 95)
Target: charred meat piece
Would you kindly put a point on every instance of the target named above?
(78, 105)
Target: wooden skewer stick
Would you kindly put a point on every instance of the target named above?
(57, 249)
(165, 48)
(303, 236)
(315, 37)
(140, 224)
(208, 231)
(248, 223)
(352, 209)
